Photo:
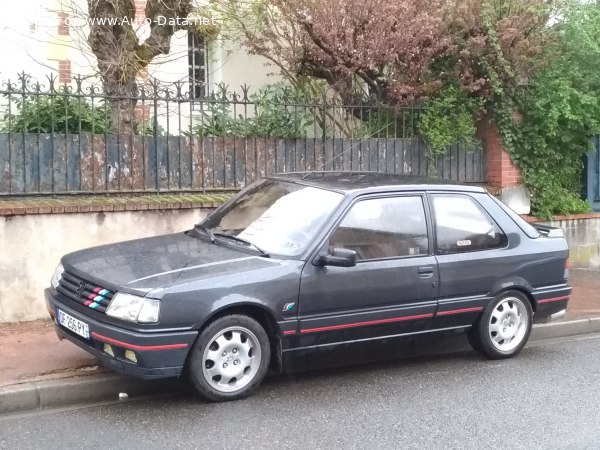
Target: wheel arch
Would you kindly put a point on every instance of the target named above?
(257, 312)
(518, 285)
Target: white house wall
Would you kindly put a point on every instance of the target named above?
(29, 42)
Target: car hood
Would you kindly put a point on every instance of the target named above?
(155, 262)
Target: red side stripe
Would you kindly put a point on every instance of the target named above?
(554, 299)
(460, 311)
(289, 332)
(136, 347)
(361, 324)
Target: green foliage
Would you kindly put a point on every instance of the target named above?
(276, 111)
(449, 118)
(58, 113)
(560, 114)
(280, 112)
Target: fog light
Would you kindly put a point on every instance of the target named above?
(130, 356)
(108, 349)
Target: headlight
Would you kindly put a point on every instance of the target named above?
(57, 275)
(133, 308)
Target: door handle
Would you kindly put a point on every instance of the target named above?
(426, 271)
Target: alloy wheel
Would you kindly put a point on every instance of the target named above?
(508, 324)
(231, 359)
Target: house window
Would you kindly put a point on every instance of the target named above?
(197, 65)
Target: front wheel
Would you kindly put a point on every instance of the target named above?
(230, 358)
(504, 327)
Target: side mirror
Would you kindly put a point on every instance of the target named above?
(338, 257)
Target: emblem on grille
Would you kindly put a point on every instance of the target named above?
(80, 289)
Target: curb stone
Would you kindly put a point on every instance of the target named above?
(104, 387)
(565, 328)
(78, 391)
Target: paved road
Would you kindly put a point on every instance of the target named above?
(548, 397)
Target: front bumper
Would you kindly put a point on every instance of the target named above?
(158, 354)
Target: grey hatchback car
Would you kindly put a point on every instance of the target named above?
(307, 261)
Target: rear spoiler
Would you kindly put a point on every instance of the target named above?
(548, 231)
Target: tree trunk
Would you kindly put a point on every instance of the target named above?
(121, 56)
(123, 100)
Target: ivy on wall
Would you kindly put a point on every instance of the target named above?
(448, 119)
(560, 111)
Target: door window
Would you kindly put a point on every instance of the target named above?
(462, 225)
(384, 228)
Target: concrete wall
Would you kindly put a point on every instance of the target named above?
(31, 246)
(583, 236)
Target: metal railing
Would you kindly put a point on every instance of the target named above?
(58, 139)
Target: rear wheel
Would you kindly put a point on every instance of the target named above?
(504, 327)
(230, 358)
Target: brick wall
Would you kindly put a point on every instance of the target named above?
(64, 71)
(63, 27)
(501, 171)
(17, 206)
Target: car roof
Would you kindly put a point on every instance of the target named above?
(363, 182)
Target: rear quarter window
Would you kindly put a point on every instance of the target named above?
(463, 225)
(527, 228)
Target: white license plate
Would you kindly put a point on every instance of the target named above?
(73, 324)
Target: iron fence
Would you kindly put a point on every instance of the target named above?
(58, 139)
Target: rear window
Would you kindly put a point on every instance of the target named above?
(527, 228)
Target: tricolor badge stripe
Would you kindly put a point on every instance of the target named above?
(97, 295)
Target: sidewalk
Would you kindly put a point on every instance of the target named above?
(585, 300)
(30, 352)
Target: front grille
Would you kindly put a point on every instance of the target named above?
(84, 292)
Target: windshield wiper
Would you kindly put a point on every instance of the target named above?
(206, 231)
(243, 241)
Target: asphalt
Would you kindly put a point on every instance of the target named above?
(37, 371)
(546, 398)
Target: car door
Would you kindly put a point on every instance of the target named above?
(470, 255)
(392, 288)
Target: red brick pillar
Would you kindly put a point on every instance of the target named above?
(503, 176)
(64, 71)
(501, 171)
(63, 24)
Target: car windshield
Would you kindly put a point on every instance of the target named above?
(276, 217)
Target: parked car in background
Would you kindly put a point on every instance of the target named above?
(307, 261)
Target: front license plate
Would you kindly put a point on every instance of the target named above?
(73, 324)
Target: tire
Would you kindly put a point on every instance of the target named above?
(504, 327)
(230, 358)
